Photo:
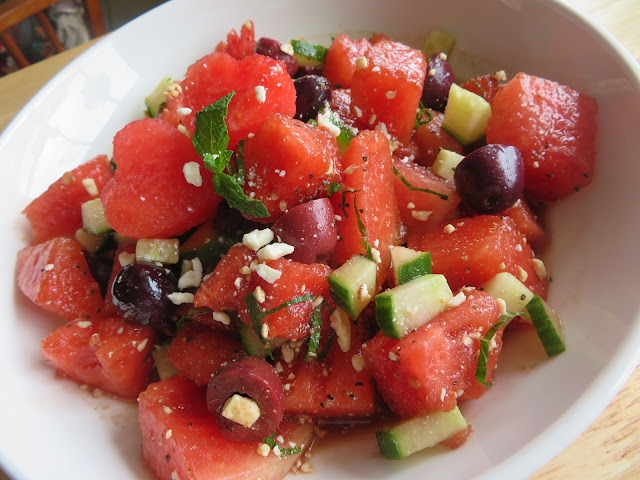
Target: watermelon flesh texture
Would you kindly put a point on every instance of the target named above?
(180, 438)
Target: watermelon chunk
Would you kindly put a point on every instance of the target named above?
(180, 438)
(215, 75)
(470, 251)
(106, 353)
(340, 62)
(56, 212)
(198, 351)
(288, 162)
(430, 138)
(55, 276)
(388, 89)
(239, 45)
(369, 185)
(150, 195)
(431, 367)
(554, 127)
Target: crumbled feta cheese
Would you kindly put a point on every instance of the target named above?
(393, 357)
(372, 119)
(242, 410)
(443, 394)
(191, 172)
(358, 111)
(48, 267)
(421, 215)
(182, 129)
(193, 277)
(167, 410)
(457, 300)
(350, 169)
(502, 304)
(390, 94)
(84, 324)
(267, 273)
(502, 266)
(287, 352)
(264, 449)
(442, 56)
(283, 206)
(448, 228)
(432, 72)
(411, 205)
(341, 324)
(287, 48)
(324, 120)
(363, 293)
(522, 274)
(361, 63)
(375, 69)
(264, 331)
(274, 251)
(259, 294)
(169, 434)
(261, 93)
(90, 186)
(357, 362)
(256, 239)
(500, 75)
(237, 282)
(538, 266)
(178, 298)
(376, 255)
(221, 317)
(183, 111)
(142, 345)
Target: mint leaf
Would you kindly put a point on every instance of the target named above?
(417, 189)
(309, 50)
(211, 135)
(228, 187)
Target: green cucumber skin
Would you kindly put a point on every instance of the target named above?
(385, 309)
(250, 341)
(415, 268)
(342, 295)
(388, 444)
(550, 337)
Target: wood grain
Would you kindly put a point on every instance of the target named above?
(610, 448)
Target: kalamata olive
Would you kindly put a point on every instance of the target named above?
(140, 291)
(437, 82)
(271, 48)
(100, 268)
(491, 178)
(313, 93)
(309, 70)
(259, 393)
(310, 228)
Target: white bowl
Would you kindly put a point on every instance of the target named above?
(52, 430)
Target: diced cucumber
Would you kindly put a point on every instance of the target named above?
(252, 344)
(406, 307)
(165, 368)
(156, 99)
(438, 42)
(353, 284)
(416, 434)
(163, 250)
(92, 243)
(408, 264)
(515, 294)
(548, 326)
(445, 164)
(93, 220)
(466, 115)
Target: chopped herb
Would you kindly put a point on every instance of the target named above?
(236, 166)
(421, 113)
(477, 85)
(315, 325)
(309, 50)
(190, 314)
(363, 231)
(210, 140)
(325, 351)
(417, 189)
(270, 440)
(113, 165)
(333, 188)
(483, 354)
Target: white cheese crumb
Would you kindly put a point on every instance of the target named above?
(376, 255)
(358, 111)
(259, 294)
(518, 248)
(357, 362)
(193, 277)
(390, 94)
(306, 467)
(282, 173)
(457, 300)
(178, 298)
(256, 239)
(237, 282)
(167, 410)
(503, 305)
(191, 172)
(324, 120)
(182, 129)
(522, 274)
(276, 449)
(363, 293)
(142, 344)
(283, 206)
(393, 357)
(341, 324)
(48, 267)
(245, 270)
(242, 410)
(502, 266)
(264, 449)
(337, 218)
(275, 251)
(421, 215)
(500, 75)
(442, 56)
(536, 164)
(287, 352)
(538, 266)
(432, 72)
(361, 63)
(350, 169)
(448, 228)
(372, 119)
(221, 317)
(287, 48)
(467, 341)
(84, 324)
(261, 93)
(375, 69)
(90, 186)
(443, 394)
(267, 273)
(411, 205)
(280, 439)
(169, 434)
(183, 111)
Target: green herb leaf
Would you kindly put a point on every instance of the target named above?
(363, 230)
(325, 351)
(211, 136)
(480, 88)
(309, 50)
(113, 165)
(293, 301)
(236, 167)
(227, 186)
(417, 189)
(333, 188)
(270, 440)
(256, 321)
(421, 113)
(315, 325)
(483, 354)
(190, 314)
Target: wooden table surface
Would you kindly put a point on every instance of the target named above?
(608, 449)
